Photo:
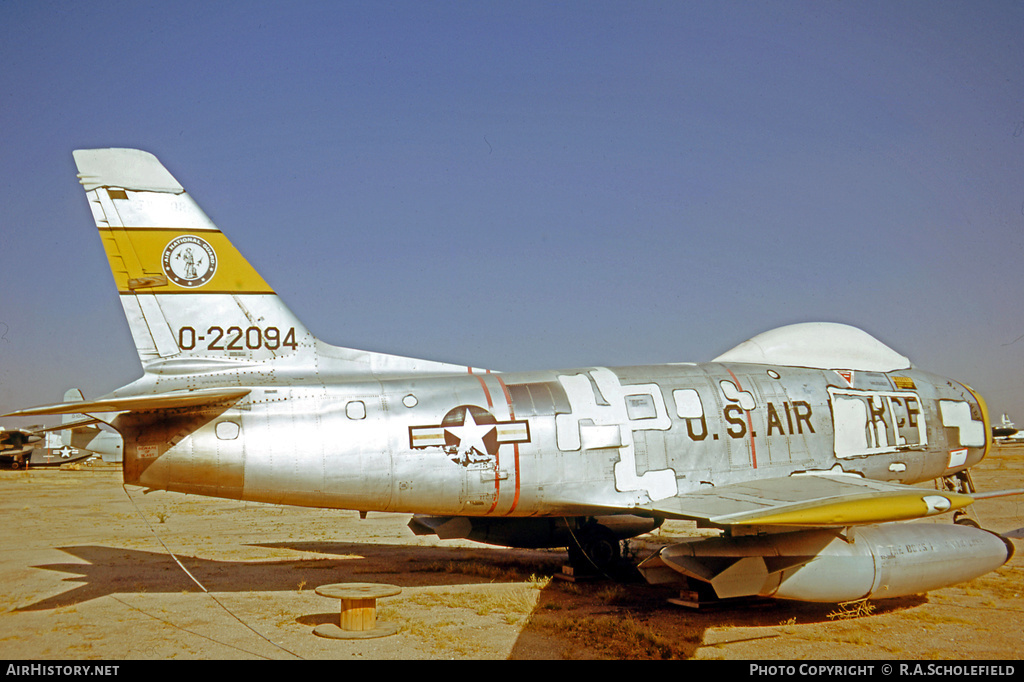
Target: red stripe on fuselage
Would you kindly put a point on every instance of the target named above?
(750, 425)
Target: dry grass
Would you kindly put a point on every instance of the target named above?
(518, 599)
(931, 616)
(618, 637)
(493, 571)
(852, 609)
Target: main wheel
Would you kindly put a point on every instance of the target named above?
(594, 547)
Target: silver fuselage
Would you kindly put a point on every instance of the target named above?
(559, 442)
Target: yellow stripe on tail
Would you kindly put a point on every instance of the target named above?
(187, 292)
(193, 303)
(172, 260)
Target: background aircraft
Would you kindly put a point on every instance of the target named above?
(77, 438)
(1006, 432)
(25, 448)
(87, 433)
(800, 445)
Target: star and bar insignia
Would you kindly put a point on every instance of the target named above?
(469, 434)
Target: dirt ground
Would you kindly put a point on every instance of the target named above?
(88, 574)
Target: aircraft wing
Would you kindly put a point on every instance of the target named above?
(141, 403)
(808, 501)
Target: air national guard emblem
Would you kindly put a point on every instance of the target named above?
(189, 261)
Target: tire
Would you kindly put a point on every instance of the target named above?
(598, 548)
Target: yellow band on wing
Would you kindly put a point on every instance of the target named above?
(876, 508)
(169, 260)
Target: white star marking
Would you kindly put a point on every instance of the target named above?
(470, 434)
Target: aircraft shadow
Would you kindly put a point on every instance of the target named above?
(110, 570)
(567, 621)
(636, 621)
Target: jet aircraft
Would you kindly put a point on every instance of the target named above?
(78, 439)
(1006, 432)
(26, 448)
(801, 445)
(17, 446)
(83, 432)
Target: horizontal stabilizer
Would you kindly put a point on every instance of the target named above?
(79, 423)
(809, 500)
(141, 403)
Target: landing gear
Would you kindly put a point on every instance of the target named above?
(961, 483)
(594, 547)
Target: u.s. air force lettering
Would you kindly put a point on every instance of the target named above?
(189, 261)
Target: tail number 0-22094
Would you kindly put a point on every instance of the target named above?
(236, 338)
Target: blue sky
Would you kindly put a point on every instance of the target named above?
(528, 185)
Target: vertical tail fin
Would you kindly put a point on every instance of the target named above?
(72, 395)
(190, 297)
(193, 302)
